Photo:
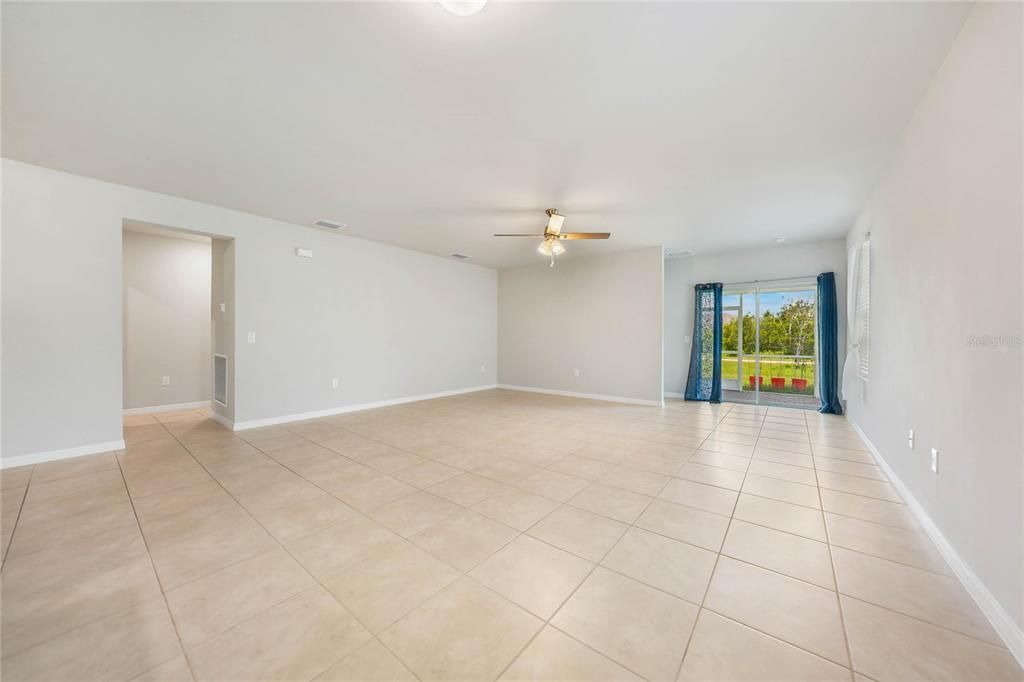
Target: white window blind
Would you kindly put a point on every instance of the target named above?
(864, 305)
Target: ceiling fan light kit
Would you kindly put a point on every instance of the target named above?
(553, 236)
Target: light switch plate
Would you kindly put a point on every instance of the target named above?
(252, 337)
(935, 461)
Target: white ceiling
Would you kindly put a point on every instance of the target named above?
(695, 126)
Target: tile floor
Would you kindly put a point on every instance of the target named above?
(492, 535)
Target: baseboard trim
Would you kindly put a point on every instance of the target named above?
(166, 408)
(1011, 633)
(274, 421)
(54, 455)
(586, 396)
(674, 395)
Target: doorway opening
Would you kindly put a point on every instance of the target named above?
(177, 323)
(769, 343)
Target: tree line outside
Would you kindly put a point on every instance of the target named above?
(790, 331)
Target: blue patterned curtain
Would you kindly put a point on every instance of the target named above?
(828, 345)
(705, 379)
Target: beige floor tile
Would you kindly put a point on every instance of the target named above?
(786, 472)
(719, 459)
(390, 583)
(850, 455)
(296, 639)
(209, 549)
(783, 457)
(554, 485)
(729, 444)
(375, 493)
(783, 516)
(33, 616)
(783, 445)
(33, 537)
(886, 645)
(98, 650)
(553, 656)
(516, 508)
(722, 649)
(465, 632)
(464, 540)
(369, 663)
(212, 604)
(466, 489)
(938, 599)
(858, 486)
(615, 503)
(426, 474)
(676, 567)
(533, 574)
(700, 496)
(327, 552)
(635, 480)
(658, 464)
(174, 670)
(66, 505)
(305, 517)
(868, 509)
(796, 556)
(689, 524)
(581, 467)
(635, 625)
(393, 462)
(785, 491)
(71, 560)
(209, 497)
(903, 546)
(842, 466)
(783, 607)
(15, 477)
(508, 470)
(711, 475)
(584, 534)
(71, 468)
(409, 515)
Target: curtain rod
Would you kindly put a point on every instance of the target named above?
(763, 281)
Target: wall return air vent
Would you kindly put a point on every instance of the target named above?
(329, 224)
(460, 256)
(220, 379)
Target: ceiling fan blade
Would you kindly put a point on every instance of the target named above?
(535, 236)
(585, 235)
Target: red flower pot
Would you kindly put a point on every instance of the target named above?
(800, 384)
(760, 380)
(778, 382)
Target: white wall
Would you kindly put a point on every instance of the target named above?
(601, 315)
(166, 319)
(778, 261)
(946, 241)
(389, 323)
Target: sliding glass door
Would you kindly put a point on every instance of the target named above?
(769, 345)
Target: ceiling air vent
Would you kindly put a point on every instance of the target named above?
(329, 224)
(460, 256)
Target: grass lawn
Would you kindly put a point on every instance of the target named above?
(787, 368)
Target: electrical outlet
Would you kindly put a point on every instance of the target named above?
(252, 337)
(575, 372)
(935, 461)
(910, 439)
(223, 307)
(334, 383)
(483, 369)
(165, 381)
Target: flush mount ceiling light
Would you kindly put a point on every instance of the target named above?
(463, 8)
(779, 240)
(552, 246)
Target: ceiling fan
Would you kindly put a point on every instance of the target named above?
(553, 235)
